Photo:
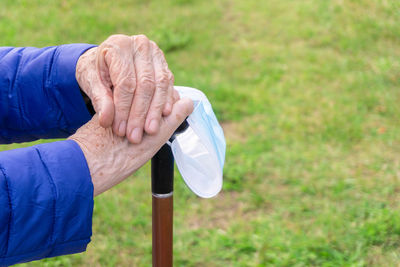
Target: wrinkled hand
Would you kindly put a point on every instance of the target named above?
(129, 83)
(112, 158)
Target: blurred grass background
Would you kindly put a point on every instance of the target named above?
(308, 95)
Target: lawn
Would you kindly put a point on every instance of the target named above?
(308, 93)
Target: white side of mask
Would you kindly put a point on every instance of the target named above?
(199, 151)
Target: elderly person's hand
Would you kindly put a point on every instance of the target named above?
(111, 158)
(129, 83)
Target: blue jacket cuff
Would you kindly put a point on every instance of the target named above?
(67, 91)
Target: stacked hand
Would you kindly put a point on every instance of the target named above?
(129, 84)
(137, 109)
(112, 158)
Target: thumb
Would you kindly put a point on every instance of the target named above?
(152, 143)
(180, 110)
(103, 104)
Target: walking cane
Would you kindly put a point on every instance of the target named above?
(162, 185)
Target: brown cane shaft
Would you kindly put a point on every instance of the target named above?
(162, 231)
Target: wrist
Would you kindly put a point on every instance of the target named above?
(110, 158)
(93, 166)
(81, 75)
(82, 72)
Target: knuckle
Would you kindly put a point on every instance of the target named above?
(141, 37)
(142, 48)
(142, 44)
(158, 53)
(175, 95)
(118, 39)
(144, 97)
(116, 36)
(157, 107)
(146, 83)
(162, 56)
(109, 50)
(163, 81)
(142, 100)
(127, 85)
(123, 105)
(95, 98)
(153, 44)
(171, 77)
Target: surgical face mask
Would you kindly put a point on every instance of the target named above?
(199, 151)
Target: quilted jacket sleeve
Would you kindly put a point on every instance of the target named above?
(46, 193)
(46, 202)
(39, 95)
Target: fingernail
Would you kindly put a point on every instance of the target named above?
(122, 128)
(136, 135)
(153, 126)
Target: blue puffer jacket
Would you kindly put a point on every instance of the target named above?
(46, 193)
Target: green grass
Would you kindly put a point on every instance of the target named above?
(308, 94)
